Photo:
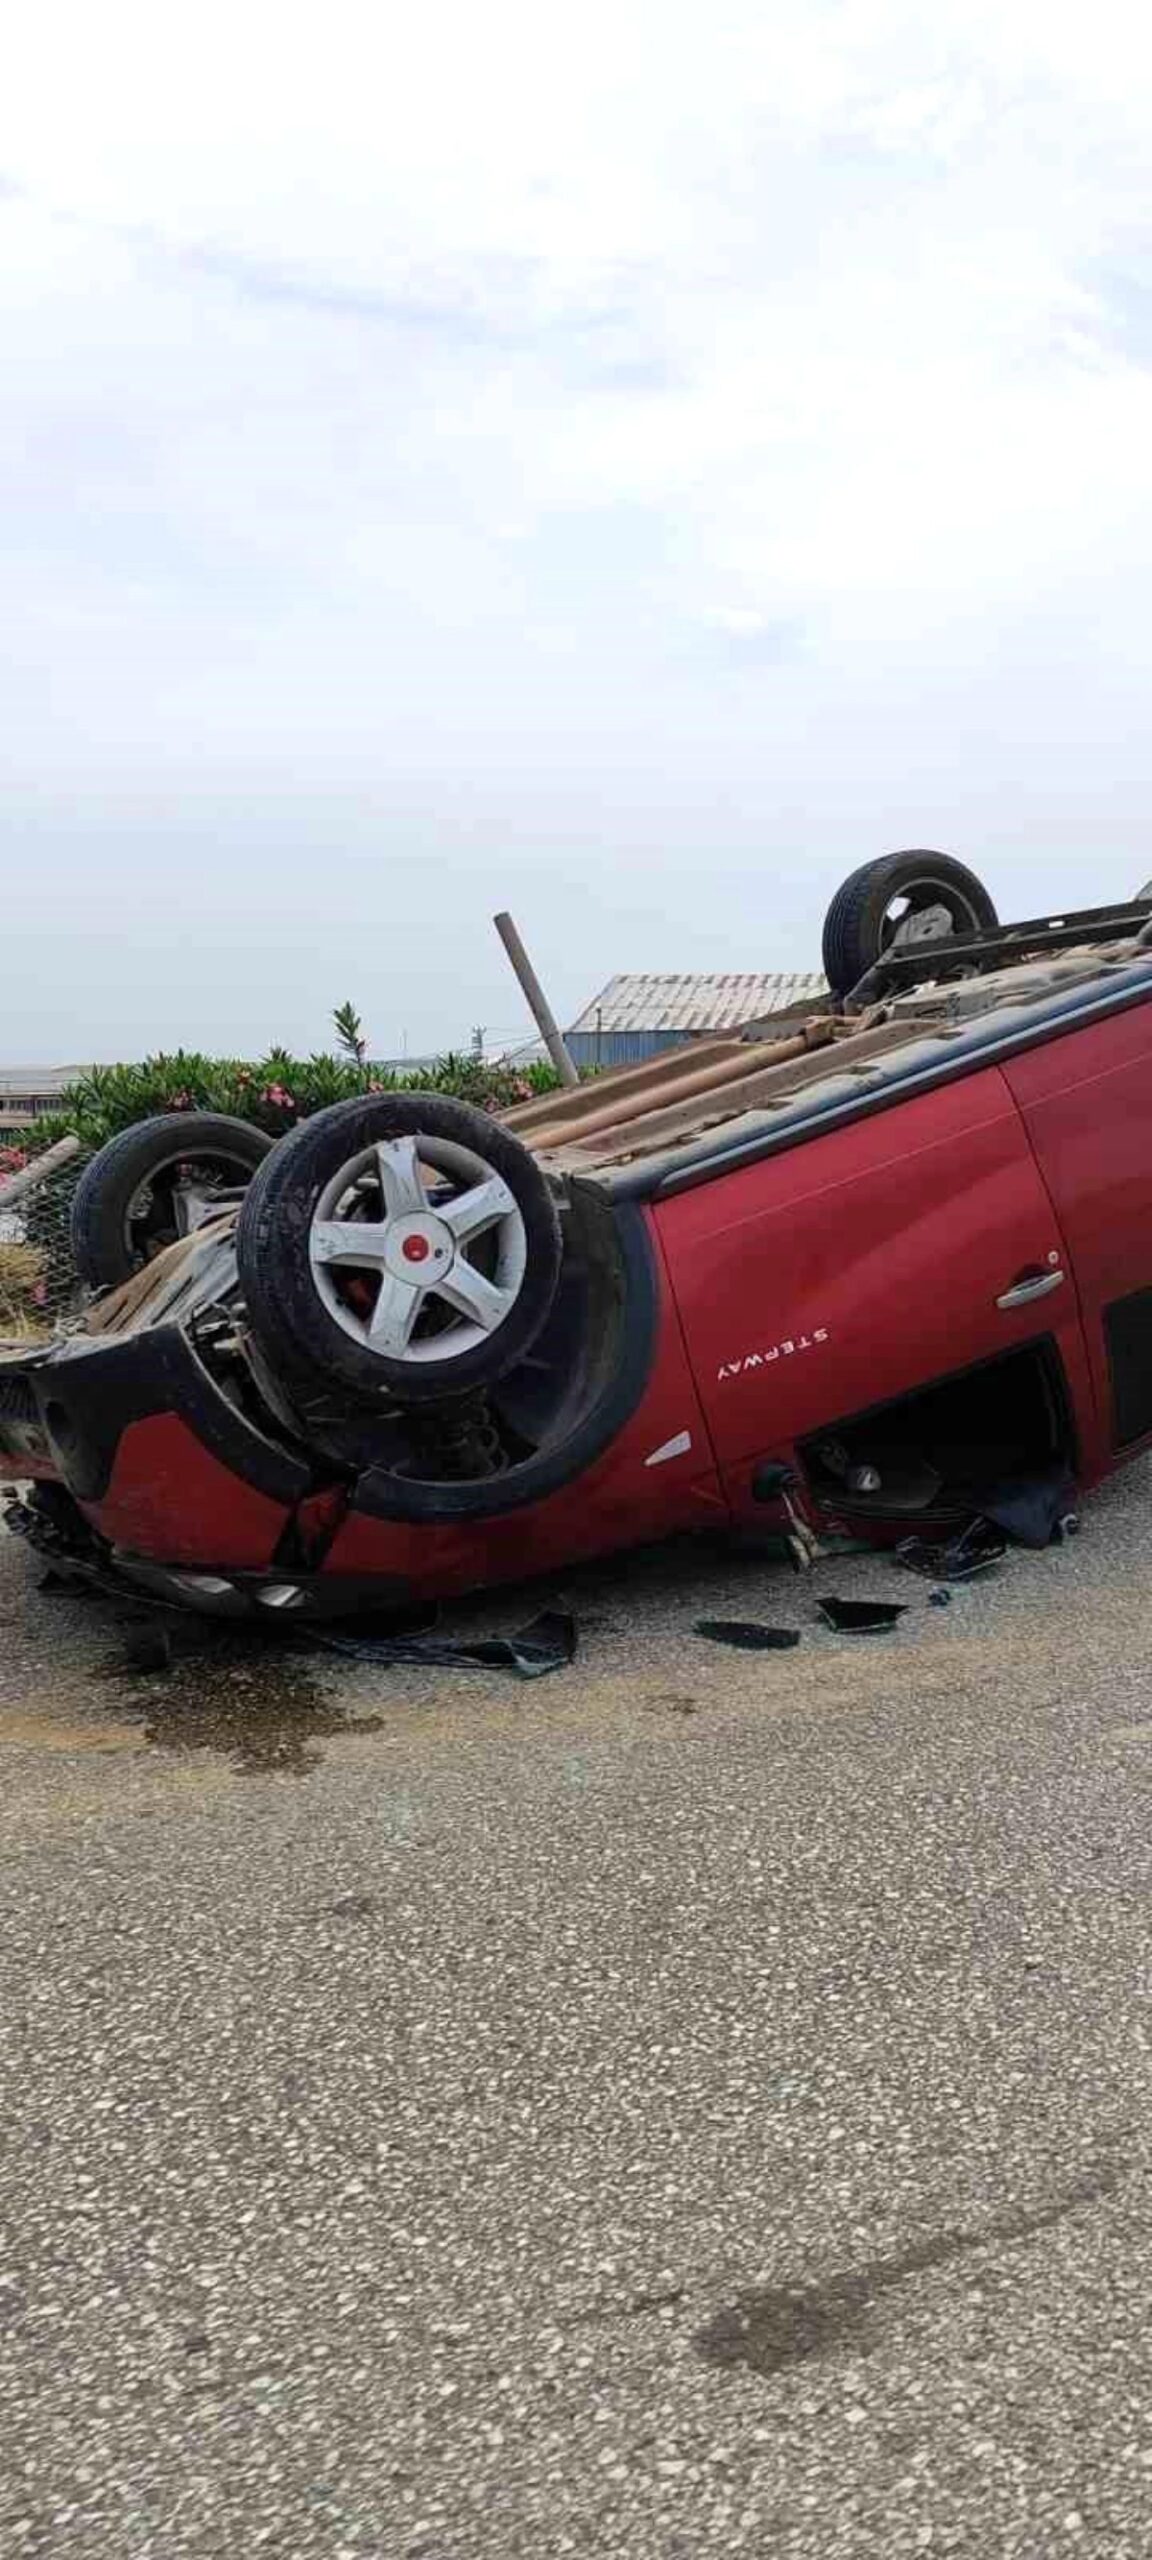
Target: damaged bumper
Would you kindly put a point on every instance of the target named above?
(167, 1476)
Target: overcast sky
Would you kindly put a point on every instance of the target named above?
(626, 462)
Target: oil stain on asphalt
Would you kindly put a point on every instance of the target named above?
(263, 1709)
(767, 2328)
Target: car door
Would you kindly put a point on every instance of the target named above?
(856, 1266)
(1086, 1102)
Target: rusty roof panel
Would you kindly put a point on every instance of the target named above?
(766, 1079)
(709, 1080)
(670, 1101)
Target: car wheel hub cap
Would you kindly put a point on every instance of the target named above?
(409, 1281)
(416, 1247)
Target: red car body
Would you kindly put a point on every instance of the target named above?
(983, 1190)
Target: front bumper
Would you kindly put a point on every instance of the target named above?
(231, 1594)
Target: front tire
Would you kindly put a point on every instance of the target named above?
(398, 1247)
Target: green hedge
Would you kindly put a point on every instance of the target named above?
(275, 1091)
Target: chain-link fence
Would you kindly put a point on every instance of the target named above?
(40, 1293)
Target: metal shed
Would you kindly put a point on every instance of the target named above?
(638, 1017)
(28, 1093)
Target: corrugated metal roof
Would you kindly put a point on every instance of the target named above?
(697, 1002)
(42, 1080)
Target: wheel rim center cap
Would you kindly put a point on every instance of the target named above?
(419, 1249)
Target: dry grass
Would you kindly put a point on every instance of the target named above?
(21, 1275)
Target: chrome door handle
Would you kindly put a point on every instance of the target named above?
(1024, 1291)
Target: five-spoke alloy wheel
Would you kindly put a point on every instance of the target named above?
(403, 1244)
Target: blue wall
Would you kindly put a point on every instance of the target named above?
(626, 1048)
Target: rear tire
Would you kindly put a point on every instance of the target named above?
(109, 1243)
(859, 927)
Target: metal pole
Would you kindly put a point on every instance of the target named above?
(38, 1171)
(541, 1010)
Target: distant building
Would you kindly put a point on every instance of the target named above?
(637, 1017)
(30, 1093)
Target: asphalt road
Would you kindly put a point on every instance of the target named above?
(694, 2105)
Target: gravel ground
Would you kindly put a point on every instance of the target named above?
(696, 2104)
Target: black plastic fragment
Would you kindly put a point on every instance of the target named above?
(747, 1635)
(861, 1617)
(546, 1644)
(978, 1547)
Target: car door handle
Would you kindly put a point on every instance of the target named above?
(1038, 1284)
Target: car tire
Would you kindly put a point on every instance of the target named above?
(331, 1353)
(108, 1244)
(859, 927)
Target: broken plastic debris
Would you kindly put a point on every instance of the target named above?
(861, 1617)
(978, 1547)
(747, 1635)
(545, 1645)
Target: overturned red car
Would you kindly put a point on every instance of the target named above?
(839, 1271)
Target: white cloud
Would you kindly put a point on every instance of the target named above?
(396, 398)
(741, 621)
